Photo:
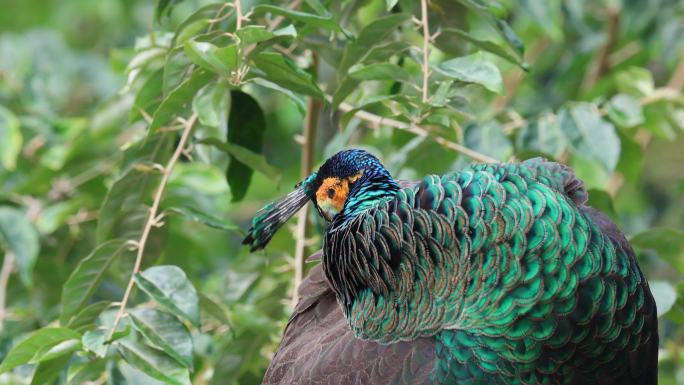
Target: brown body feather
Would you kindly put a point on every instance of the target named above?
(318, 348)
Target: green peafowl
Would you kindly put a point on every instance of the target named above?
(494, 274)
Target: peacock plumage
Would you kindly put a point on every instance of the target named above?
(494, 274)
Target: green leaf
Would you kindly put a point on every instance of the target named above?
(509, 36)
(370, 36)
(212, 104)
(602, 201)
(664, 295)
(246, 126)
(589, 135)
(165, 332)
(325, 21)
(196, 215)
(254, 160)
(176, 66)
(173, 103)
(377, 53)
(47, 371)
(154, 363)
(56, 215)
(222, 61)
(547, 16)
(475, 68)
(382, 52)
(51, 352)
(129, 194)
(279, 69)
(661, 120)
(488, 139)
(10, 139)
(42, 339)
(667, 242)
(95, 341)
(635, 81)
(19, 237)
(196, 22)
(169, 286)
(85, 319)
(625, 111)
(487, 45)
(253, 34)
(133, 376)
(442, 94)
(143, 58)
(87, 276)
(298, 101)
(213, 307)
(164, 6)
(493, 12)
(543, 135)
(148, 97)
(379, 71)
(317, 7)
(676, 313)
(631, 158)
(83, 373)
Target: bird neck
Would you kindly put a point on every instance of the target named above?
(371, 189)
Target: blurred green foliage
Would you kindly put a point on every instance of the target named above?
(94, 96)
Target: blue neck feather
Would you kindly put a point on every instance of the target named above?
(374, 186)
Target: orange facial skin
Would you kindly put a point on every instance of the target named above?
(332, 194)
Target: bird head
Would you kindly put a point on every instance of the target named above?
(346, 184)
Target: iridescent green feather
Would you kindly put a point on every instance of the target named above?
(501, 265)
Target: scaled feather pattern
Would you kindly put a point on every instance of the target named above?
(494, 274)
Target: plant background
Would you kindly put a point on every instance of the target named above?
(102, 102)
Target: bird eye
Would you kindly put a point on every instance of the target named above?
(331, 193)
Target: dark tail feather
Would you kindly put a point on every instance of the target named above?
(269, 219)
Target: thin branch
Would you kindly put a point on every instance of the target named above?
(377, 120)
(601, 62)
(426, 48)
(513, 78)
(151, 218)
(677, 80)
(643, 137)
(624, 53)
(314, 108)
(657, 95)
(300, 248)
(7, 266)
(270, 27)
(275, 22)
(238, 15)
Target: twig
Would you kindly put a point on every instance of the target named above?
(152, 217)
(417, 130)
(7, 266)
(602, 61)
(279, 19)
(657, 95)
(677, 79)
(624, 53)
(300, 248)
(238, 15)
(673, 89)
(314, 108)
(514, 78)
(270, 27)
(426, 48)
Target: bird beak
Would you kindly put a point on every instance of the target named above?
(270, 218)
